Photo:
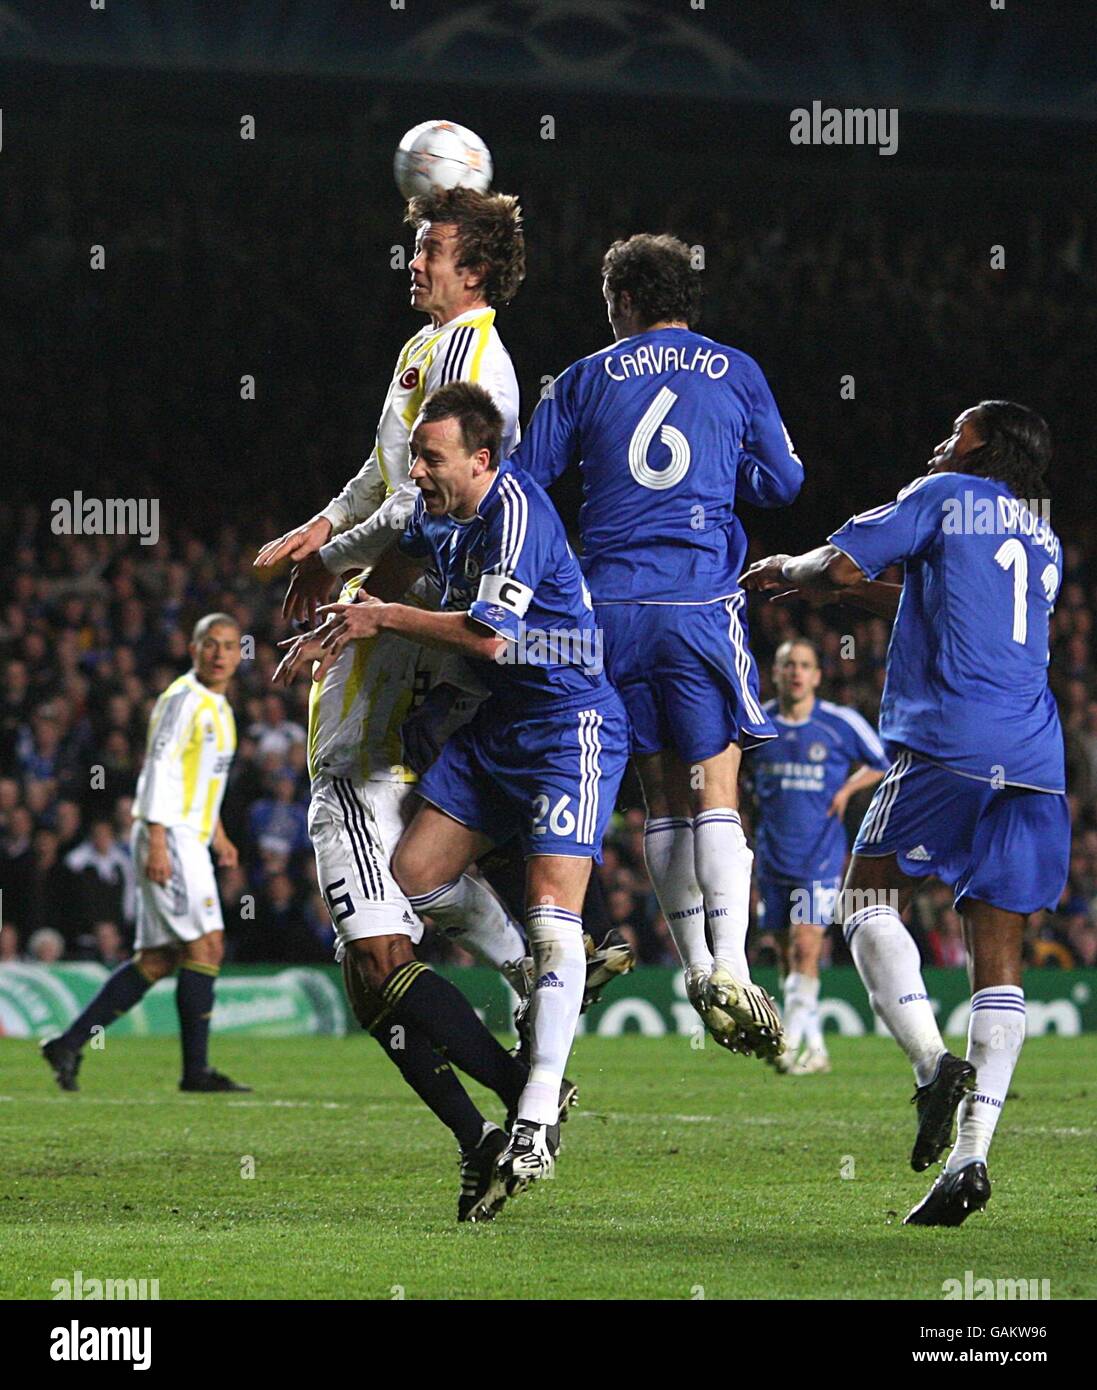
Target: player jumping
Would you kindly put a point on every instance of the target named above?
(470, 258)
(976, 792)
(360, 788)
(671, 429)
(469, 261)
(543, 756)
(802, 782)
(191, 742)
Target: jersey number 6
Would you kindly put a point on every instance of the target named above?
(675, 440)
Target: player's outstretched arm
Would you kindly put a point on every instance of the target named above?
(871, 595)
(364, 543)
(874, 596)
(822, 570)
(295, 545)
(770, 473)
(351, 621)
(393, 571)
(358, 499)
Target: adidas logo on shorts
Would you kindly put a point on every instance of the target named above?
(920, 854)
(549, 980)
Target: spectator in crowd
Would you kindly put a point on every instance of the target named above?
(277, 821)
(101, 871)
(111, 948)
(46, 946)
(273, 733)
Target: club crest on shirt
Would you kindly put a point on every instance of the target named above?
(410, 379)
(817, 752)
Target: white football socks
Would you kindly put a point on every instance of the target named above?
(468, 912)
(668, 853)
(809, 1000)
(888, 963)
(996, 1032)
(793, 1019)
(559, 978)
(723, 863)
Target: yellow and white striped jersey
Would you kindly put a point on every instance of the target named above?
(190, 747)
(468, 348)
(356, 711)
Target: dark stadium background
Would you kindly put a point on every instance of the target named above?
(272, 257)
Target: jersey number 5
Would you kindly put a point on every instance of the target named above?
(638, 446)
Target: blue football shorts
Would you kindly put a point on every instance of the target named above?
(1005, 846)
(686, 675)
(550, 778)
(784, 903)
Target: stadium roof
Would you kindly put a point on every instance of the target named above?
(941, 55)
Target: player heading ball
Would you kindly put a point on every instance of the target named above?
(470, 258)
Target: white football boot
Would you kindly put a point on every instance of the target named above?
(812, 1061)
(720, 1024)
(751, 1009)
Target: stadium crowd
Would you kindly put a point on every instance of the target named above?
(210, 278)
(95, 628)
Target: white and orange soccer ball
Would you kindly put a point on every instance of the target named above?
(441, 154)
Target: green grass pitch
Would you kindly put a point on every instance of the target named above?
(685, 1174)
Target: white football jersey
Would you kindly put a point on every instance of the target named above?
(356, 711)
(468, 348)
(190, 747)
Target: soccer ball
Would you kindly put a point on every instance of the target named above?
(441, 154)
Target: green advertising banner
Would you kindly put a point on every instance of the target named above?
(268, 1001)
(652, 1001)
(36, 1000)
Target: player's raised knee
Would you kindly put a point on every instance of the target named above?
(412, 867)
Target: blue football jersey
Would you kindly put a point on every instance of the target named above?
(967, 664)
(794, 778)
(510, 567)
(669, 428)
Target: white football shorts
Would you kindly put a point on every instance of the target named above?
(354, 827)
(187, 906)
